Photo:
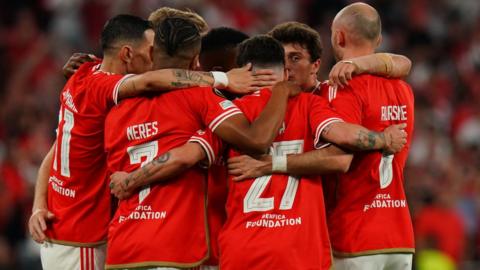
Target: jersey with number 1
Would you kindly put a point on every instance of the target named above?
(367, 212)
(278, 221)
(78, 191)
(163, 224)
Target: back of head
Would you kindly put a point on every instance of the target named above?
(177, 43)
(161, 14)
(361, 22)
(121, 30)
(219, 48)
(263, 52)
(299, 33)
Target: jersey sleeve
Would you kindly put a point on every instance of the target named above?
(107, 86)
(216, 109)
(321, 115)
(211, 144)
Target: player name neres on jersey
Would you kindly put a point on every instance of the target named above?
(394, 113)
(142, 131)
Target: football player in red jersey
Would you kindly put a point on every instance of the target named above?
(168, 220)
(368, 218)
(73, 174)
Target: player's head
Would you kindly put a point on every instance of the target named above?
(128, 39)
(157, 16)
(303, 52)
(177, 44)
(219, 49)
(264, 52)
(356, 27)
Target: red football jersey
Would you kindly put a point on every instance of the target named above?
(367, 212)
(164, 224)
(78, 191)
(278, 221)
(216, 189)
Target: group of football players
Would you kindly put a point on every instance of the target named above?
(189, 148)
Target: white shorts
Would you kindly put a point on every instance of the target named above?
(61, 257)
(393, 261)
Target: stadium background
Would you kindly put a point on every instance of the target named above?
(441, 37)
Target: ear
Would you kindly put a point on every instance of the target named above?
(195, 63)
(316, 66)
(340, 38)
(126, 54)
(379, 41)
(285, 74)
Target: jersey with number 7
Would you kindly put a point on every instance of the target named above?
(367, 211)
(278, 221)
(78, 192)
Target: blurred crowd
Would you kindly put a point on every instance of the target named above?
(441, 37)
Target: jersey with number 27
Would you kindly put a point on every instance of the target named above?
(278, 221)
(367, 211)
(78, 191)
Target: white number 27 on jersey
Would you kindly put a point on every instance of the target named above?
(148, 151)
(252, 201)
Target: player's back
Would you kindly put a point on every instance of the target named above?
(366, 208)
(166, 218)
(78, 191)
(278, 221)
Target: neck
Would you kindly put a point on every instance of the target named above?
(357, 52)
(112, 66)
(311, 84)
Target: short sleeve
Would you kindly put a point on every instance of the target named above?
(107, 86)
(217, 109)
(211, 144)
(321, 115)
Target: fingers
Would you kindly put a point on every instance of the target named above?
(264, 72)
(240, 178)
(247, 66)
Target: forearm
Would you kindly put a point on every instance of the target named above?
(166, 166)
(163, 80)
(324, 161)
(41, 186)
(354, 137)
(383, 64)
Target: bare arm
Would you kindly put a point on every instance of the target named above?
(163, 167)
(381, 64)
(240, 81)
(258, 136)
(40, 214)
(327, 160)
(358, 138)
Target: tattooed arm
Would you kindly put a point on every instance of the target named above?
(164, 167)
(240, 81)
(358, 138)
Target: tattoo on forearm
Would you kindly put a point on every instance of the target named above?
(148, 170)
(189, 78)
(368, 140)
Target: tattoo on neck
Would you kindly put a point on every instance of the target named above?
(188, 78)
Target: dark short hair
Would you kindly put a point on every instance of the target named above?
(123, 28)
(261, 50)
(299, 33)
(221, 38)
(177, 36)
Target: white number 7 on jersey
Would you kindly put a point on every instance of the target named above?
(252, 201)
(136, 153)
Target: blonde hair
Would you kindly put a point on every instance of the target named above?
(157, 17)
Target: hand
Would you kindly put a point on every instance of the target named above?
(245, 167)
(244, 81)
(342, 72)
(75, 61)
(292, 88)
(119, 185)
(395, 138)
(37, 224)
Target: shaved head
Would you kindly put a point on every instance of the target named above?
(360, 21)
